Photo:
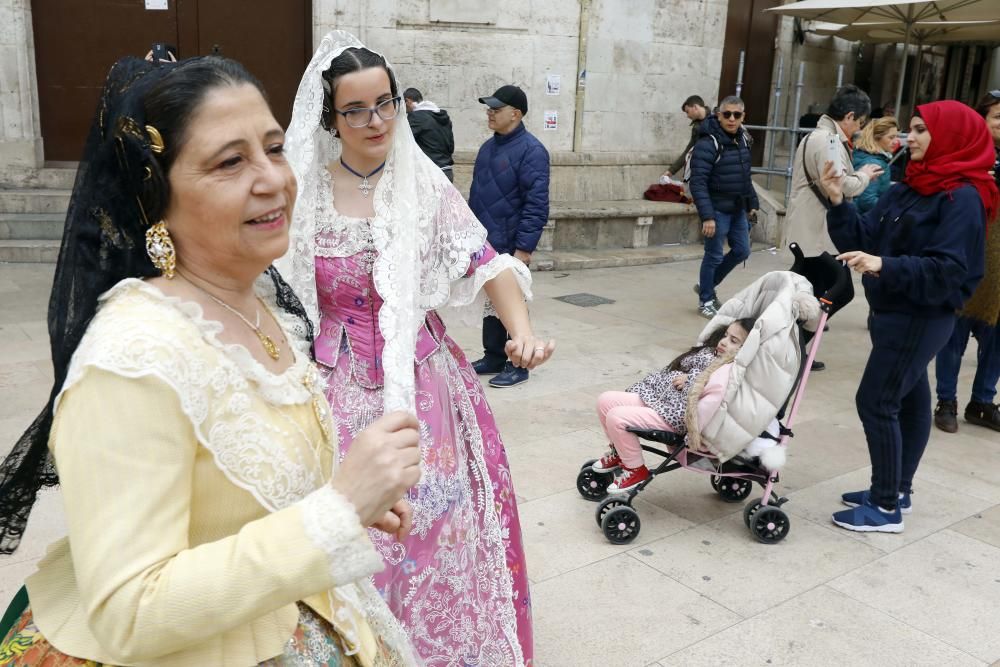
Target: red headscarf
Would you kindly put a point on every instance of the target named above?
(961, 151)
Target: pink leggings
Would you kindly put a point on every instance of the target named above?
(619, 410)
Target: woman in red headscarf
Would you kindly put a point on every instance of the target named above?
(920, 251)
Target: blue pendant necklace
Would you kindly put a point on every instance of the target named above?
(365, 186)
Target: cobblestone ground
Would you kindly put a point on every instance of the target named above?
(694, 588)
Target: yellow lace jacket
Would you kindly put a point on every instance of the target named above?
(197, 502)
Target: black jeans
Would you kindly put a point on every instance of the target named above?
(894, 398)
(495, 337)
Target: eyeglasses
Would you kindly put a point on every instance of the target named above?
(732, 114)
(386, 110)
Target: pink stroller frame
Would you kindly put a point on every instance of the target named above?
(733, 480)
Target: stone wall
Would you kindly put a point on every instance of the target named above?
(643, 58)
(821, 55)
(20, 135)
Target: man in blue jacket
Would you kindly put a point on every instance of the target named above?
(724, 195)
(510, 196)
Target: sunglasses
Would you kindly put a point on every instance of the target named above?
(732, 114)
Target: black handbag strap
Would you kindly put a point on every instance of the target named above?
(812, 184)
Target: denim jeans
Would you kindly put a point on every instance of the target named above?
(949, 361)
(734, 228)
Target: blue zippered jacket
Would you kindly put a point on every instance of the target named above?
(867, 199)
(510, 190)
(932, 248)
(724, 185)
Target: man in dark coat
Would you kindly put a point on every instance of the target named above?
(432, 130)
(696, 112)
(510, 196)
(724, 195)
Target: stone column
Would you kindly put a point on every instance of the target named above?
(20, 129)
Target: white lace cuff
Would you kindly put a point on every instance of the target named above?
(332, 524)
(467, 296)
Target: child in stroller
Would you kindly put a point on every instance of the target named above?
(662, 399)
(742, 439)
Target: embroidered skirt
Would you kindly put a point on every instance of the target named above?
(314, 644)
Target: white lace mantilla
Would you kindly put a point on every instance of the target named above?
(423, 230)
(226, 394)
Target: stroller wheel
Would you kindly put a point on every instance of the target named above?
(715, 482)
(593, 485)
(750, 510)
(621, 525)
(609, 504)
(734, 489)
(770, 525)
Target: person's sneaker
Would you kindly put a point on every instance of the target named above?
(629, 479)
(715, 297)
(510, 377)
(983, 414)
(868, 518)
(708, 310)
(486, 367)
(946, 416)
(610, 461)
(855, 498)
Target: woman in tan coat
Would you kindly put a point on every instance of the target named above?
(805, 219)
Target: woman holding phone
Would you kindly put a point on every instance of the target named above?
(920, 250)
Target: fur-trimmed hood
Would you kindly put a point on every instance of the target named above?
(764, 369)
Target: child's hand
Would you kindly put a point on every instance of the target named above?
(680, 381)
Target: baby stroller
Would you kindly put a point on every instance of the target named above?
(733, 466)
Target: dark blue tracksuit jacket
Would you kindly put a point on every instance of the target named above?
(932, 248)
(510, 190)
(724, 185)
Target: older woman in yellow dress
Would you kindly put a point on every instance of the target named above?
(209, 521)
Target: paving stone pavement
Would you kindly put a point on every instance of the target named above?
(694, 588)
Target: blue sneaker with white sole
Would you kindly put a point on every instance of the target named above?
(855, 498)
(868, 518)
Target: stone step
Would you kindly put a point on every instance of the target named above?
(31, 226)
(34, 200)
(567, 260)
(57, 178)
(618, 224)
(27, 251)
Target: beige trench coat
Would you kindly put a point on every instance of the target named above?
(805, 219)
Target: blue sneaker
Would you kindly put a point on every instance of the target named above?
(867, 518)
(510, 377)
(855, 498)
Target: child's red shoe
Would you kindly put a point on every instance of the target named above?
(610, 461)
(629, 479)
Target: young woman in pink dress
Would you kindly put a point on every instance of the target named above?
(380, 240)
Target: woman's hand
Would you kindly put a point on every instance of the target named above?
(680, 381)
(383, 463)
(832, 184)
(397, 521)
(862, 262)
(528, 351)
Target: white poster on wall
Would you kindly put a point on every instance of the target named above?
(156, 4)
(553, 84)
(551, 121)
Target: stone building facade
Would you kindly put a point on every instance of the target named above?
(641, 58)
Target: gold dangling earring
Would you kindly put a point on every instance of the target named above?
(160, 248)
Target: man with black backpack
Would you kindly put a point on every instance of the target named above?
(718, 176)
